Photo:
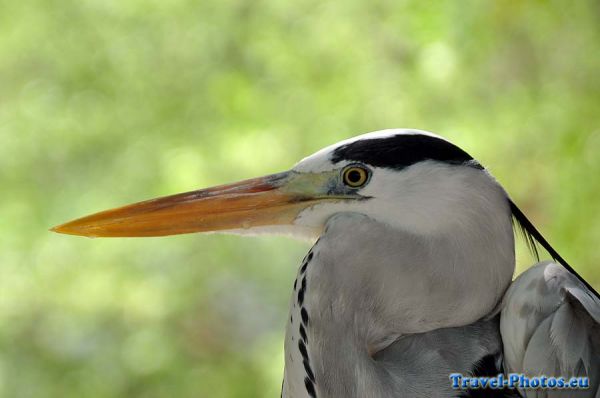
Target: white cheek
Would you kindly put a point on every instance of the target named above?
(293, 231)
(315, 217)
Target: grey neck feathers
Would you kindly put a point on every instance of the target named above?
(369, 284)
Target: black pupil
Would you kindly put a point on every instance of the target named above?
(354, 176)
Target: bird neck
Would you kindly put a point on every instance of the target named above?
(364, 284)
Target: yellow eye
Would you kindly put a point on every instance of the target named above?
(355, 176)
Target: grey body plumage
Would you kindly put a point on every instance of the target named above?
(550, 325)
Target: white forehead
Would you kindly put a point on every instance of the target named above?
(321, 160)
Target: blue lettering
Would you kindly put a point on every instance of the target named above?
(513, 378)
(517, 380)
(465, 383)
(455, 377)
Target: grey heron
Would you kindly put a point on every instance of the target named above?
(410, 275)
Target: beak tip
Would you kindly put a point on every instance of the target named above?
(64, 229)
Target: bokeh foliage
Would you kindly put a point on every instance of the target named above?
(105, 102)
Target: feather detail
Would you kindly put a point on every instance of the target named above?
(533, 237)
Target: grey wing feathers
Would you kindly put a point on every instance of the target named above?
(419, 365)
(550, 325)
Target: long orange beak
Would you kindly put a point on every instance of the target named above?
(251, 203)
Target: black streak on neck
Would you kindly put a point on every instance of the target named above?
(309, 379)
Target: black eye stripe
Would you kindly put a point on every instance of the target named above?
(401, 151)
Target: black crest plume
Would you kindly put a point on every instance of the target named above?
(533, 237)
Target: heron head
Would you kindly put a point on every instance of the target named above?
(408, 179)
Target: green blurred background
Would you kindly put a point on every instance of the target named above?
(105, 102)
